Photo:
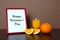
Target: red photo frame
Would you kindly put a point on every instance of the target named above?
(15, 19)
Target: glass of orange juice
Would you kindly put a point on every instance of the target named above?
(36, 23)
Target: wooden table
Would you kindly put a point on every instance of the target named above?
(54, 35)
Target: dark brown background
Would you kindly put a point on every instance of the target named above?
(45, 10)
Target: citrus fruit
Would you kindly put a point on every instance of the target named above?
(36, 31)
(29, 31)
(46, 28)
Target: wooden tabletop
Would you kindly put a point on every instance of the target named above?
(54, 35)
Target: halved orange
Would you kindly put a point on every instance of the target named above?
(29, 31)
(36, 31)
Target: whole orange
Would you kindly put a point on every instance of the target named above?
(46, 28)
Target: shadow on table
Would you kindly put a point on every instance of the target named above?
(38, 37)
(17, 37)
(29, 37)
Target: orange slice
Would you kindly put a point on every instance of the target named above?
(29, 31)
(36, 31)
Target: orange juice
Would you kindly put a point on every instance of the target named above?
(36, 23)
